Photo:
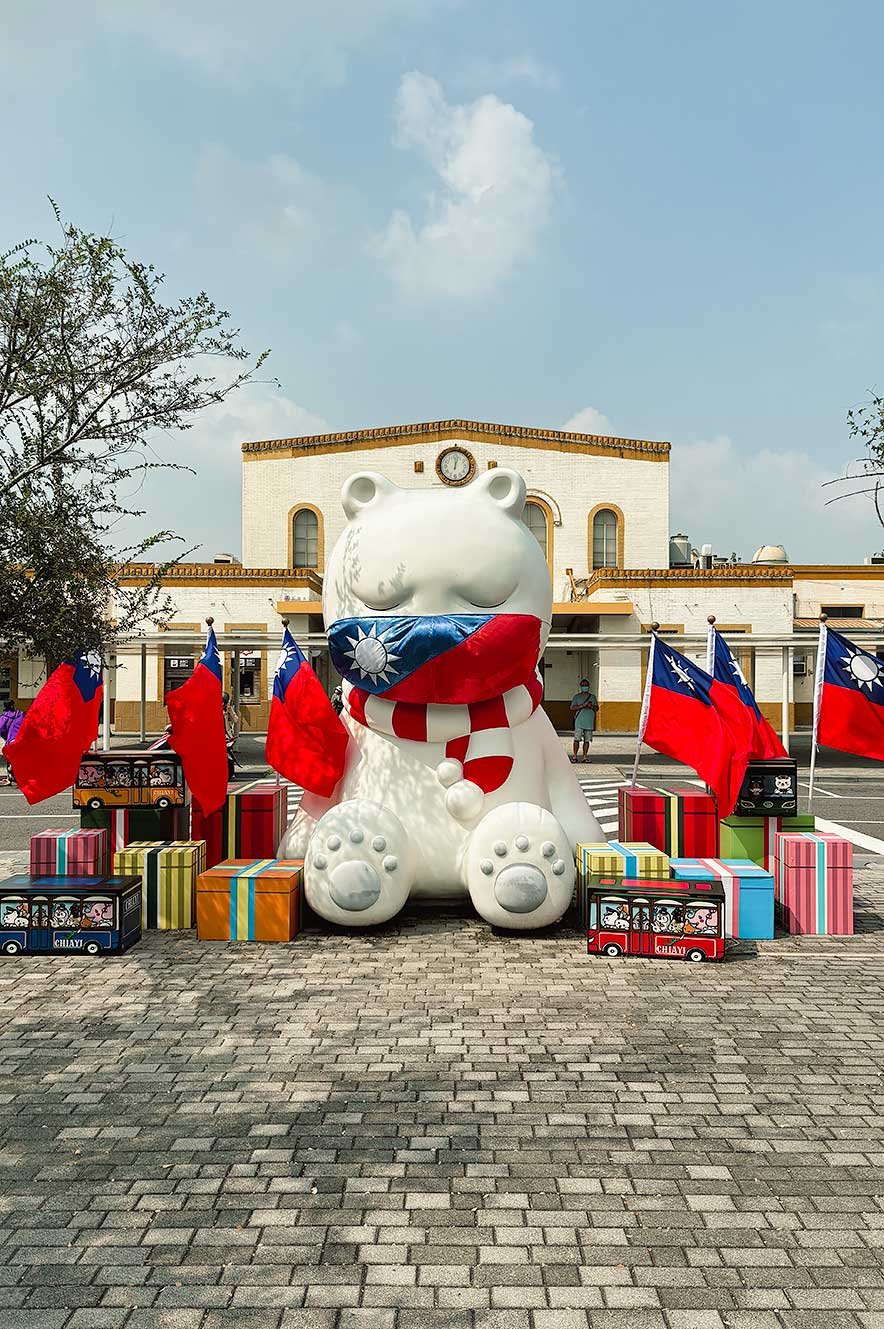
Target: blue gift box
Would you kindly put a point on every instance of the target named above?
(748, 892)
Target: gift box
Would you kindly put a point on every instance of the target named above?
(755, 837)
(813, 883)
(748, 893)
(616, 860)
(82, 853)
(127, 825)
(243, 901)
(169, 874)
(683, 822)
(251, 823)
(769, 788)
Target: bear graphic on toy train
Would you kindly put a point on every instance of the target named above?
(437, 605)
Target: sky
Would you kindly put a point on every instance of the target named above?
(660, 221)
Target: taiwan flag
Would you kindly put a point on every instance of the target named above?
(849, 697)
(721, 664)
(59, 726)
(197, 734)
(689, 716)
(306, 739)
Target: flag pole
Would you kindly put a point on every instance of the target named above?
(710, 646)
(817, 699)
(285, 624)
(646, 702)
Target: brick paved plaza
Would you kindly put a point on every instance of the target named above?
(432, 1125)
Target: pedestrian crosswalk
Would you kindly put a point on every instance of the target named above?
(600, 794)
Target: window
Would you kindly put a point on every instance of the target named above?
(305, 539)
(534, 518)
(178, 669)
(604, 539)
(614, 913)
(842, 611)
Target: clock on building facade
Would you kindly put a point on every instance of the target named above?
(455, 466)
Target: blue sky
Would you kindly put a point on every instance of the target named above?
(658, 220)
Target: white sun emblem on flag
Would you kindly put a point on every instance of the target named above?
(371, 655)
(862, 669)
(680, 672)
(738, 673)
(92, 663)
(282, 660)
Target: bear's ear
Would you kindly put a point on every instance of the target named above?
(363, 489)
(505, 487)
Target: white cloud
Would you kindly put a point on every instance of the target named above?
(492, 196)
(205, 508)
(589, 421)
(736, 499)
(516, 69)
(300, 41)
(273, 207)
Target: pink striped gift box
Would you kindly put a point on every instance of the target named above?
(69, 853)
(813, 883)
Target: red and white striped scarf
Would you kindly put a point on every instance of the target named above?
(478, 735)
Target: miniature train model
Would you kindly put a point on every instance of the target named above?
(77, 915)
(657, 917)
(130, 779)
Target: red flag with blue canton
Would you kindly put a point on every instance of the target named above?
(306, 739)
(693, 718)
(720, 663)
(436, 658)
(849, 701)
(59, 726)
(197, 735)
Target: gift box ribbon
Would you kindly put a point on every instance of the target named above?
(242, 899)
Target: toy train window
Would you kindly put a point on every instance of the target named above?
(614, 913)
(98, 912)
(65, 911)
(14, 911)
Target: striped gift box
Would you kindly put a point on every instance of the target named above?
(755, 837)
(748, 893)
(249, 901)
(250, 825)
(681, 821)
(129, 825)
(80, 853)
(616, 859)
(169, 872)
(813, 883)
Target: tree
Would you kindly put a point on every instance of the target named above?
(866, 424)
(92, 363)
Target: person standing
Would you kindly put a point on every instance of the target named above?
(231, 731)
(584, 709)
(10, 723)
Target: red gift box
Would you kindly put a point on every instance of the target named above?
(69, 853)
(682, 822)
(813, 883)
(250, 825)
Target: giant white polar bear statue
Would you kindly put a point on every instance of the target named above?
(437, 605)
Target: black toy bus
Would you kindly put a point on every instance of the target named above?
(76, 915)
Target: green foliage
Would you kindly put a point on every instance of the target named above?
(91, 363)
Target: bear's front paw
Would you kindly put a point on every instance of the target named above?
(519, 867)
(358, 868)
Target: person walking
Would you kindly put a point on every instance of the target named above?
(231, 731)
(584, 709)
(337, 699)
(10, 723)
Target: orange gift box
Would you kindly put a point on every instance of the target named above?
(250, 900)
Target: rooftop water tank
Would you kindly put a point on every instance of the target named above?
(679, 551)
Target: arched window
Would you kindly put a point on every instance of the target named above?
(534, 517)
(305, 539)
(604, 539)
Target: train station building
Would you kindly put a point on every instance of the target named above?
(599, 508)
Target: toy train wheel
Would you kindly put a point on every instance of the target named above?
(696, 955)
(162, 803)
(11, 948)
(612, 949)
(95, 803)
(92, 948)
